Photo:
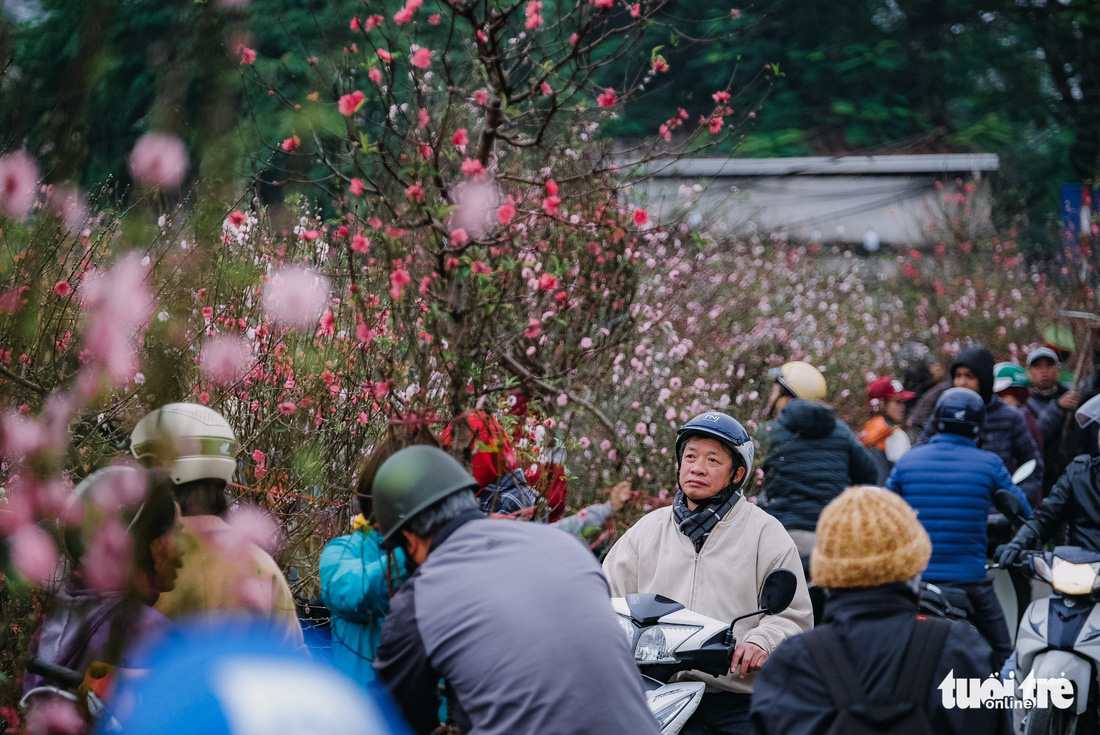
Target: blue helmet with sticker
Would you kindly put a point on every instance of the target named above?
(233, 678)
(960, 411)
(725, 429)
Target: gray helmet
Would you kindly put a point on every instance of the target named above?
(410, 481)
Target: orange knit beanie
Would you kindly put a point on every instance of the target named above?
(866, 537)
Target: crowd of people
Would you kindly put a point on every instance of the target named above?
(441, 601)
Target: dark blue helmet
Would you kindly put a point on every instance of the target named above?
(723, 427)
(960, 411)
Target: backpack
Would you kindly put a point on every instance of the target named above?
(902, 714)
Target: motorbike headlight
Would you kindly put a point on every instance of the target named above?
(657, 645)
(628, 628)
(1074, 579)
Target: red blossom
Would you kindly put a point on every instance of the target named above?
(291, 144)
(360, 243)
(481, 97)
(349, 103)
(399, 278)
(375, 75)
(373, 22)
(434, 19)
(659, 64)
(636, 10)
(472, 167)
(404, 15)
(248, 56)
(287, 407)
(356, 187)
(550, 205)
(461, 137)
(459, 237)
(547, 282)
(237, 218)
(507, 212)
(479, 267)
(721, 97)
(62, 288)
(608, 98)
(415, 192)
(551, 187)
(640, 216)
(422, 58)
(385, 55)
(326, 325)
(533, 328)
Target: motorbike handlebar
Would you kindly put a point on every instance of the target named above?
(53, 672)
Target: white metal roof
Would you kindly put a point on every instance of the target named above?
(934, 163)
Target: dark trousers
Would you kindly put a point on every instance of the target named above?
(988, 616)
(721, 713)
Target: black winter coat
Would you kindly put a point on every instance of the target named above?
(812, 456)
(1075, 499)
(790, 696)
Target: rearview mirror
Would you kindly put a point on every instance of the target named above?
(1023, 472)
(778, 591)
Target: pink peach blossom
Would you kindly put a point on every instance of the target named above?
(422, 58)
(225, 359)
(18, 182)
(159, 161)
(295, 296)
(119, 304)
(33, 554)
(349, 103)
(399, 278)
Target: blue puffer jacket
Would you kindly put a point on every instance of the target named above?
(353, 586)
(811, 457)
(950, 483)
(1007, 435)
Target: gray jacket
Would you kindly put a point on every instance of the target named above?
(516, 619)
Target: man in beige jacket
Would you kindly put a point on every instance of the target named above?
(223, 573)
(711, 551)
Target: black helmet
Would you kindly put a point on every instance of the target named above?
(410, 481)
(960, 411)
(723, 427)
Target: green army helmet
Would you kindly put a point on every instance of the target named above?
(410, 481)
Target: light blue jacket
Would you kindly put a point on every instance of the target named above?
(353, 572)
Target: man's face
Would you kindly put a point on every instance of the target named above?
(705, 469)
(895, 410)
(964, 377)
(1043, 373)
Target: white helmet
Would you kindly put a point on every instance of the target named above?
(192, 442)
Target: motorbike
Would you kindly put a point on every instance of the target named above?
(1059, 638)
(65, 685)
(667, 639)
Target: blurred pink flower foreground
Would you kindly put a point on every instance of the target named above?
(295, 296)
(18, 181)
(159, 161)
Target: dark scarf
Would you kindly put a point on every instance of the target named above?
(697, 524)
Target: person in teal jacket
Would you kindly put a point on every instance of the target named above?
(356, 575)
(358, 578)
